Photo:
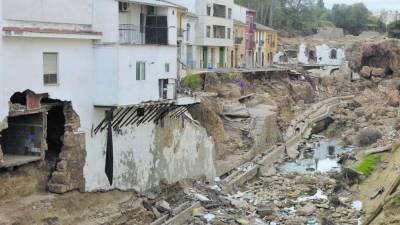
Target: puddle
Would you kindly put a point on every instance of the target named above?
(321, 158)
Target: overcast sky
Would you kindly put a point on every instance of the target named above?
(373, 5)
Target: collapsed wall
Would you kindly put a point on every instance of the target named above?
(377, 59)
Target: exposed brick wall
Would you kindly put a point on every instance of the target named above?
(69, 172)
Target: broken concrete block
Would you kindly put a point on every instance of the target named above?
(264, 212)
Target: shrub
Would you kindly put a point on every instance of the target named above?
(368, 165)
(192, 81)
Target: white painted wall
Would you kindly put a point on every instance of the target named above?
(105, 19)
(146, 154)
(239, 13)
(3, 102)
(51, 11)
(323, 53)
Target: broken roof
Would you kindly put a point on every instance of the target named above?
(264, 28)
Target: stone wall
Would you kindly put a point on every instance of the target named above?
(69, 172)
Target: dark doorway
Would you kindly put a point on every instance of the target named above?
(312, 56)
(55, 133)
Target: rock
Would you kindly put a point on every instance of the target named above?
(263, 212)
(394, 99)
(307, 210)
(366, 71)
(163, 206)
(368, 136)
(378, 72)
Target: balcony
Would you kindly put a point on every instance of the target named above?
(238, 40)
(133, 34)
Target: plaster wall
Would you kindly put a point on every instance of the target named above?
(323, 55)
(145, 155)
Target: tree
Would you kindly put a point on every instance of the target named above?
(352, 18)
(394, 29)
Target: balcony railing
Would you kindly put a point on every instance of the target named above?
(130, 34)
(133, 34)
(238, 40)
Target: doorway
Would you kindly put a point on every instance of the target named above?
(55, 134)
(205, 57)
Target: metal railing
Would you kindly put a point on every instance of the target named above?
(238, 40)
(133, 34)
(130, 34)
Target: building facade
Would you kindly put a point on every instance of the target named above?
(94, 95)
(266, 40)
(238, 50)
(187, 47)
(214, 30)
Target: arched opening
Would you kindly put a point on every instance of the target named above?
(333, 54)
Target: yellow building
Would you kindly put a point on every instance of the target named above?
(236, 53)
(266, 40)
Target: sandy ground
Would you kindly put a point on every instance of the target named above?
(70, 208)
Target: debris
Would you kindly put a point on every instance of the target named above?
(377, 192)
(163, 206)
(209, 217)
(201, 197)
(243, 221)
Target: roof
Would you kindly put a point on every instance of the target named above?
(174, 4)
(156, 3)
(238, 22)
(264, 28)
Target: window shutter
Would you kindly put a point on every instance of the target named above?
(137, 70)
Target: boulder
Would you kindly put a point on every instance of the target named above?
(368, 136)
(393, 99)
(378, 72)
(307, 210)
(366, 71)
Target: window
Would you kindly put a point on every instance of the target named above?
(229, 33)
(229, 13)
(208, 10)
(167, 67)
(140, 71)
(208, 31)
(50, 68)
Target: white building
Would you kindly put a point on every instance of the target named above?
(321, 55)
(111, 66)
(187, 47)
(214, 30)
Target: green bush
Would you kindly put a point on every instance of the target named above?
(192, 81)
(368, 165)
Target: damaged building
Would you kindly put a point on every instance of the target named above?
(94, 95)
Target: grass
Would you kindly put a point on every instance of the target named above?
(192, 81)
(368, 165)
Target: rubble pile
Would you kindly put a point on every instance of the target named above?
(279, 199)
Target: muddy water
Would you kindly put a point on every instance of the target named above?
(320, 155)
